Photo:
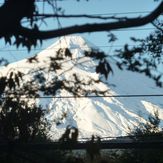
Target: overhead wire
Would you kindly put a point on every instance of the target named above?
(47, 49)
(90, 96)
(100, 14)
(93, 96)
(135, 12)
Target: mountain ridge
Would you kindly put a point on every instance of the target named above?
(104, 116)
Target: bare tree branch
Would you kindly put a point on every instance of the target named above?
(134, 22)
(79, 16)
(157, 27)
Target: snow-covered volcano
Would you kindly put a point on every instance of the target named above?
(104, 116)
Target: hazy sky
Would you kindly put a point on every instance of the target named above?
(91, 7)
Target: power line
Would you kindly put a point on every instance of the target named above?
(101, 16)
(134, 29)
(48, 49)
(112, 13)
(96, 96)
(104, 16)
(122, 13)
(91, 96)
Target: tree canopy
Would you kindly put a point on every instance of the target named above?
(13, 12)
(25, 121)
(21, 27)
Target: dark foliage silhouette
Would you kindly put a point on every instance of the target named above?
(21, 121)
(146, 56)
(150, 131)
(12, 12)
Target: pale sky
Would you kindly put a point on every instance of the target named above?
(91, 7)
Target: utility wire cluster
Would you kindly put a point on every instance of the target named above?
(90, 96)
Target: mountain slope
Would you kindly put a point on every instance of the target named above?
(104, 116)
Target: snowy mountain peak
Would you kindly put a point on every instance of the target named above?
(103, 116)
(72, 42)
